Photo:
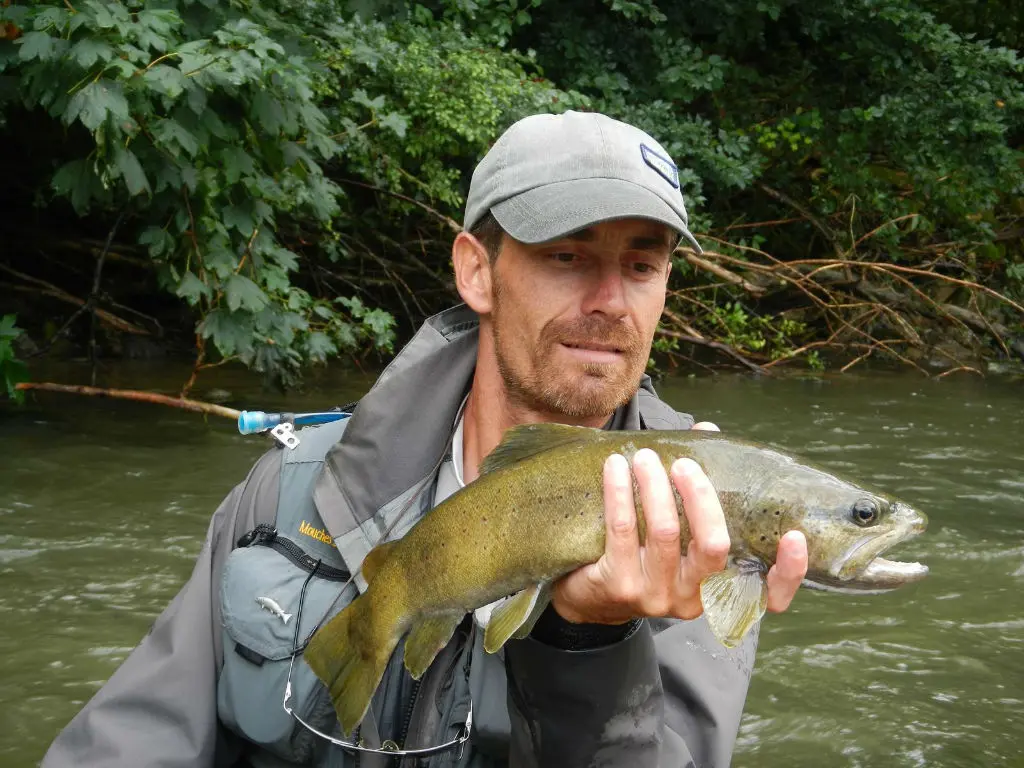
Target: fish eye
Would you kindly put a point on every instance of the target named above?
(865, 511)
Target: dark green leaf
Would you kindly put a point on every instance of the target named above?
(36, 45)
(159, 241)
(359, 96)
(75, 180)
(96, 102)
(192, 289)
(190, 176)
(268, 112)
(319, 346)
(197, 100)
(8, 330)
(14, 372)
(161, 22)
(243, 293)
(124, 68)
(173, 135)
(396, 123)
(131, 171)
(240, 218)
(230, 331)
(90, 50)
(101, 14)
(166, 80)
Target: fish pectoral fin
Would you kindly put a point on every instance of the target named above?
(516, 616)
(427, 639)
(375, 558)
(734, 600)
(526, 440)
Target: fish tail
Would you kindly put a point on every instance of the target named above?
(285, 617)
(350, 654)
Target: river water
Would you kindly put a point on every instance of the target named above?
(103, 506)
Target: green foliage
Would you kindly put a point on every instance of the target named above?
(267, 154)
(773, 337)
(416, 105)
(202, 123)
(12, 370)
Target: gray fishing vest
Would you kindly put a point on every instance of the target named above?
(291, 559)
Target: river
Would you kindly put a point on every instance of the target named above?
(103, 506)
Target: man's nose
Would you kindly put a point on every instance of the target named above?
(607, 292)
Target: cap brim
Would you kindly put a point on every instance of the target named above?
(555, 210)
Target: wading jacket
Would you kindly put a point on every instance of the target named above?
(205, 687)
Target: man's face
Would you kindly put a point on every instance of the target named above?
(573, 320)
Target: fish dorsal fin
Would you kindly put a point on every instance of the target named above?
(527, 440)
(375, 558)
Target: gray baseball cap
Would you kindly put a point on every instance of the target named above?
(550, 175)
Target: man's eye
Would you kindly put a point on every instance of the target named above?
(643, 267)
(564, 258)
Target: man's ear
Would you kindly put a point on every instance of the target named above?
(473, 277)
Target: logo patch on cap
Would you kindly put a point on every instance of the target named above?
(661, 165)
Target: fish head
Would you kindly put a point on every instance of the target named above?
(848, 528)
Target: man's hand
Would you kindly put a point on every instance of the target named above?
(655, 579)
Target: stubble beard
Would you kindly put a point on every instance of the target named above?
(587, 390)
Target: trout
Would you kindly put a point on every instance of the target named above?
(537, 512)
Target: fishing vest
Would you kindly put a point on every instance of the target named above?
(291, 560)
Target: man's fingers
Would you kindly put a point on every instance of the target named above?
(661, 520)
(709, 535)
(622, 546)
(786, 575)
(706, 426)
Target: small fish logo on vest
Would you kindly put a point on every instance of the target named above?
(270, 604)
(316, 533)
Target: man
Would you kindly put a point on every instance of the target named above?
(563, 265)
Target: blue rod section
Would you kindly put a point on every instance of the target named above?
(251, 422)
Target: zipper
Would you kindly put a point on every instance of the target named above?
(267, 535)
(446, 683)
(408, 714)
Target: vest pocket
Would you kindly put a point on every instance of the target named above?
(260, 592)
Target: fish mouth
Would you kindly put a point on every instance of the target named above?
(863, 569)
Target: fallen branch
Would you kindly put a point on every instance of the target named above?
(91, 248)
(814, 220)
(453, 225)
(90, 304)
(693, 336)
(196, 406)
(966, 368)
(909, 271)
(719, 271)
(718, 345)
(48, 289)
